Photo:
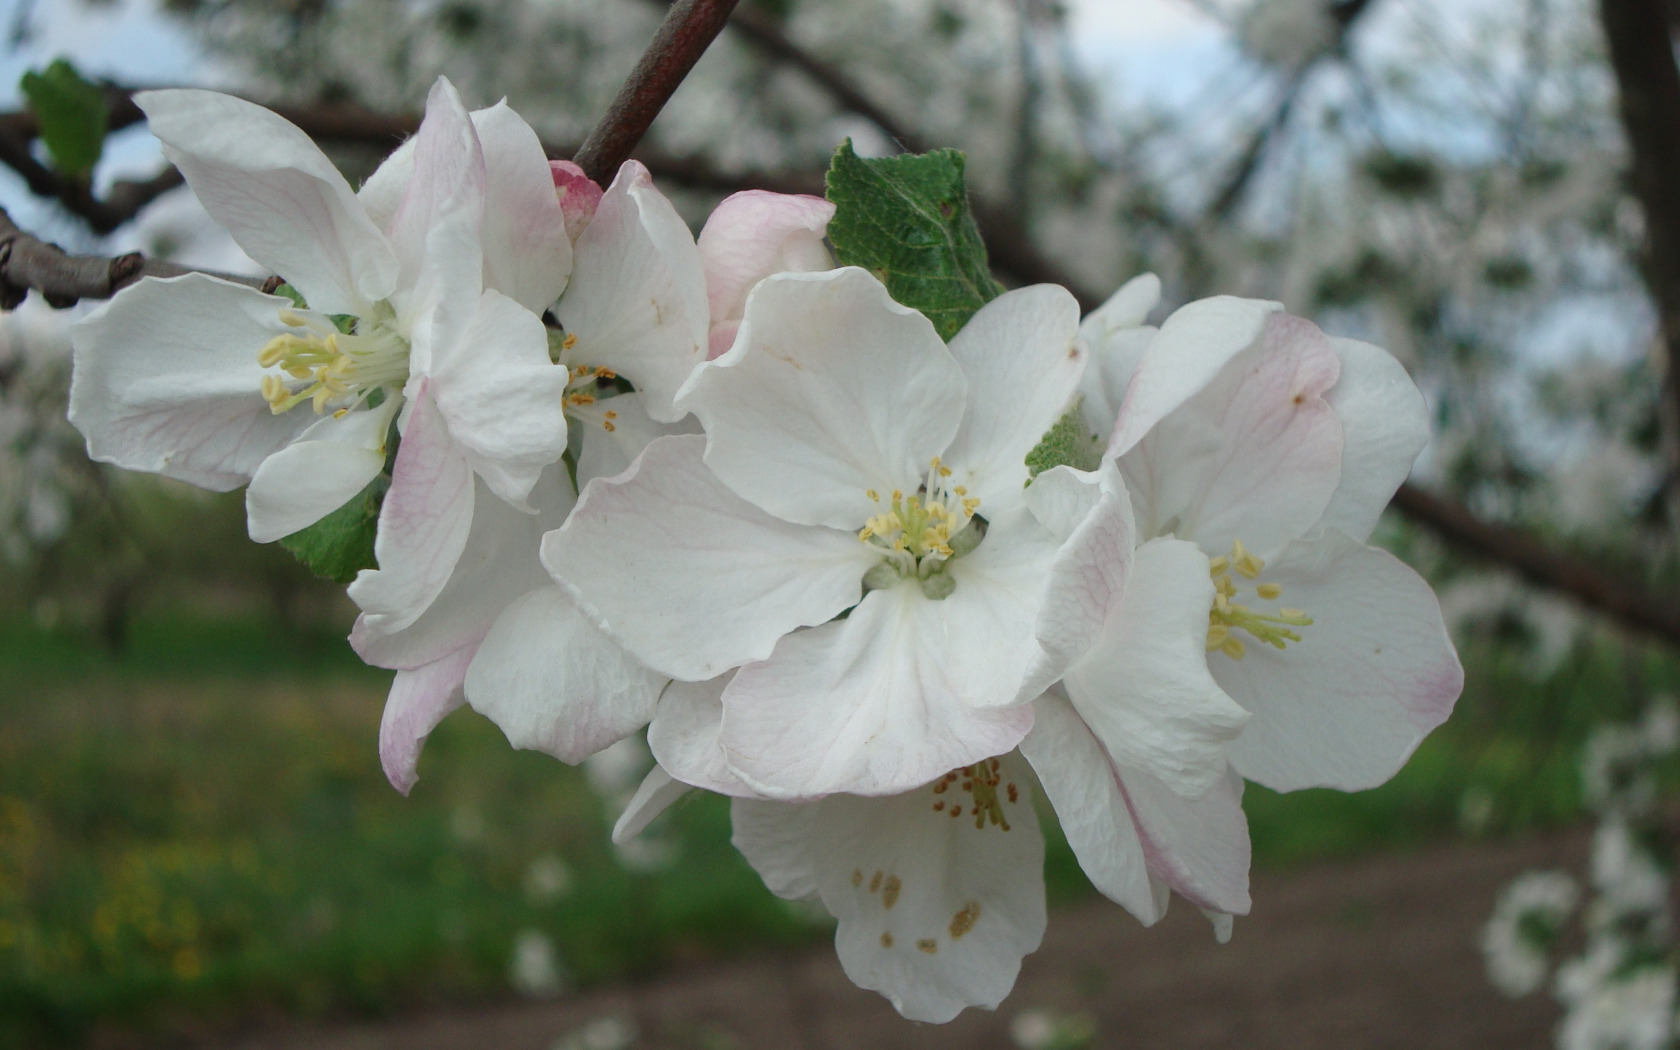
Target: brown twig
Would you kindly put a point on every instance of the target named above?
(681, 39)
(1648, 83)
(29, 263)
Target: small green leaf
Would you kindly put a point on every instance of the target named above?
(1066, 444)
(906, 220)
(341, 544)
(71, 115)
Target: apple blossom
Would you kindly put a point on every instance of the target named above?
(847, 448)
(1275, 448)
(218, 384)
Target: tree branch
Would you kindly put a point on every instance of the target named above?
(1648, 83)
(682, 38)
(27, 262)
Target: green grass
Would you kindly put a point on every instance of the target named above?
(199, 827)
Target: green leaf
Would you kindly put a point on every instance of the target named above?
(906, 220)
(71, 115)
(341, 544)
(1066, 444)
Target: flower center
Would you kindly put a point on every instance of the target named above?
(982, 781)
(329, 368)
(918, 534)
(1227, 615)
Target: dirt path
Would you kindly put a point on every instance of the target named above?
(1376, 953)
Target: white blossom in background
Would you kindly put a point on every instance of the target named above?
(612, 1032)
(1619, 993)
(535, 970)
(547, 880)
(43, 474)
(1287, 33)
(1526, 921)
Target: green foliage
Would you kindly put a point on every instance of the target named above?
(341, 544)
(906, 220)
(71, 114)
(1069, 443)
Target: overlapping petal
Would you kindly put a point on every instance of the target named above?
(831, 390)
(1385, 424)
(271, 187)
(1373, 674)
(319, 472)
(684, 736)
(1199, 847)
(751, 235)
(873, 704)
(637, 297)
(935, 908)
(420, 698)
(166, 381)
(700, 580)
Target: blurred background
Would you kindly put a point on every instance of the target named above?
(195, 835)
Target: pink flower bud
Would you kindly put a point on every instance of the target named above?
(579, 194)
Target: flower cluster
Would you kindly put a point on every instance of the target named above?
(877, 586)
(1619, 993)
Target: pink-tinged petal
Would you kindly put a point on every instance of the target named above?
(701, 580)
(166, 381)
(579, 195)
(722, 337)
(436, 230)
(1083, 786)
(755, 233)
(527, 253)
(873, 705)
(615, 430)
(502, 398)
(1022, 357)
(1198, 847)
(497, 565)
(326, 467)
(831, 390)
(273, 189)
(1091, 516)
(657, 793)
(934, 912)
(1144, 687)
(637, 297)
(684, 737)
(1385, 424)
(1372, 675)
(554, 683)
(419, 700)
(1253, 456)
(1191, 348)
(423, 523)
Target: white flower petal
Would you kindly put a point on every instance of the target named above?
(1091, 515)
(435, 231)
(1023, 359)
(755, 233)
(614, 431)
(701, 580)
(166, 381)
(873, 704)
(1191, 348)
(554, 683)
(419, 700)
(657, 792)
(423, 523)
(1254, 455)
(1108, 375)
(498, 564)
(318, 473)
(1144, 687)
(1385, 424)
(1083, 786)
(831, 390)
(684, 736)
(1200, 848)
(1126, 309)
(934, 913)
(502, 397)
(637, 297)
(279, 196)
(1374, 673)
(527, 254)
